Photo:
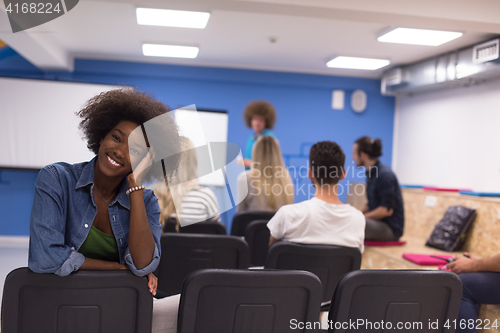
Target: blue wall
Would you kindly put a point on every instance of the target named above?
(303, 103)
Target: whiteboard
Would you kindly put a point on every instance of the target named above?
(449, 138)
(38, 123)
(203, 127)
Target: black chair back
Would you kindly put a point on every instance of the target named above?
(248, 301)
(406, 296)
(209, 227)
(182, 254)
(328, 262)
(242, 220)
(257, 236)
(85, 301)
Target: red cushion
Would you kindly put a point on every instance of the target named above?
(378, 243)
(426, 259)
(429, 188)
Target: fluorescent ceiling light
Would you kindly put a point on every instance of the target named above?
(173, 51)
(357, 63)
(418, 36)
(172, 18)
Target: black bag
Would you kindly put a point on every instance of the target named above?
(449, 234)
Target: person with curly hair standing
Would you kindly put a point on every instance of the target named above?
(260, 116)
(97, 215)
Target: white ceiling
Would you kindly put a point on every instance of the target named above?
(308, 32)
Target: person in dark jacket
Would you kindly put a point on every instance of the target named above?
(384, 212)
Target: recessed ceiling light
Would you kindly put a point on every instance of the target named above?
(173, 51)
(418, 36)
(172, 18)
(357, 63)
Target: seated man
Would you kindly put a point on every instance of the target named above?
(324, 219)
(385, 212)
(481, 285)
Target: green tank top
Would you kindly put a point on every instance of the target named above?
(99, 245)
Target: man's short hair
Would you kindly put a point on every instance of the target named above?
(326, 160)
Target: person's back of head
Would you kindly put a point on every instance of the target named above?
(269, 174)
(369, 146)
(266, 153)
(326, 161)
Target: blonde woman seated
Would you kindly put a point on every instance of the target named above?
(269, 184)
(187, 201)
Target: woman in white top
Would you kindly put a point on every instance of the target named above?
(269, 184)
(187, 201)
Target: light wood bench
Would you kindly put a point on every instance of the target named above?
(482, 240)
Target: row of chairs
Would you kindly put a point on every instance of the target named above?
(250, 225)
(228, 301)
(284, 301)
(183, 254)
(238, 226)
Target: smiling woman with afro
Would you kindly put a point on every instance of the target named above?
(98, 215)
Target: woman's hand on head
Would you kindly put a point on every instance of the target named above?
(141, 169)
(152, 283)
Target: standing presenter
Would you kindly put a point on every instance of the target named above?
(260, 116)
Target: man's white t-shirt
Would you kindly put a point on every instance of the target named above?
(318, 222)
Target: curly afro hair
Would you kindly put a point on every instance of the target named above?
(262, 109)
(104, 111)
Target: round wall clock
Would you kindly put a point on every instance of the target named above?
(358, 101)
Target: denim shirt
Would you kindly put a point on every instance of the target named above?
(62, 214)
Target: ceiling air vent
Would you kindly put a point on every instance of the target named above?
(394, 77)
(486, 52)
(473, 64)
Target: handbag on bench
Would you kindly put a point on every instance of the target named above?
(450, 233)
